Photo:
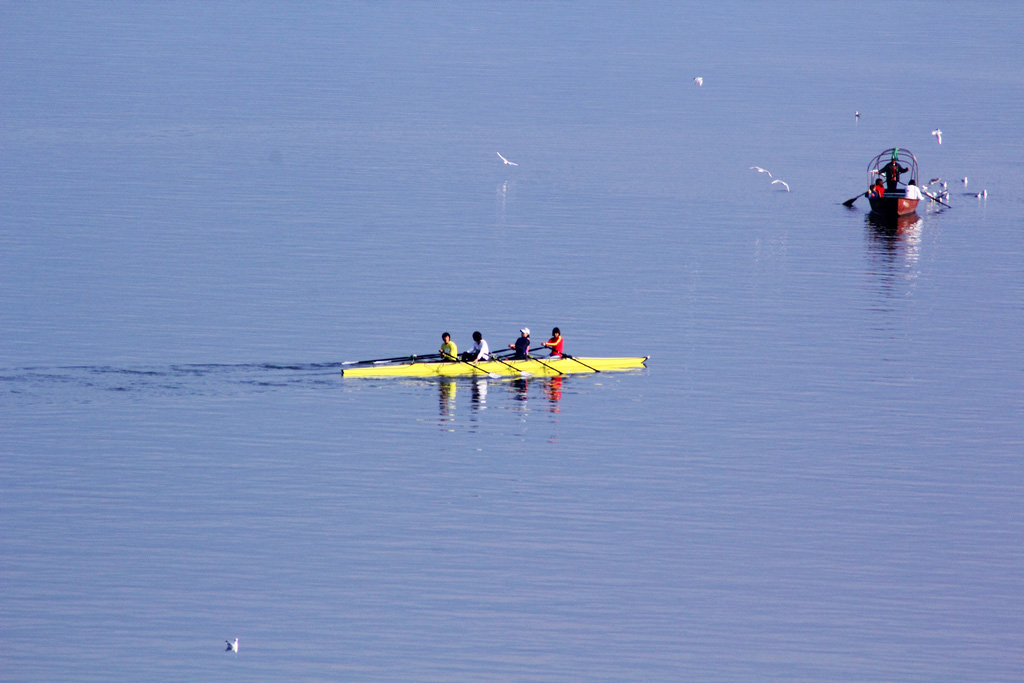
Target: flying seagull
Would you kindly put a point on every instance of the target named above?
(699, 81)
(232, 646)
(783, 182)
(761, 170)
(938, 135)
(507, 162)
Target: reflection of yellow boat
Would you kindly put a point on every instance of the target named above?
(540, 367)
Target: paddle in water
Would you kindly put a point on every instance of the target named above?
(936, 199)
(849, 202)
(538, 360)
(492, 375)
(522, 373)
(573, 358)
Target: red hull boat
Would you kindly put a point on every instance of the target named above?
(893, 206)
(889, 166)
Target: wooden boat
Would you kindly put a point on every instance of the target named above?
(895, 202)
(540, 367)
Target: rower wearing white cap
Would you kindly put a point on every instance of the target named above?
(522, 345)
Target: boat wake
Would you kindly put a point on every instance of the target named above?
(191, 379)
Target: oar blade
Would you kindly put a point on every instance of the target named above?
(849, 202)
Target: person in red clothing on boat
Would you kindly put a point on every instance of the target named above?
(555, 343)
(877, 190)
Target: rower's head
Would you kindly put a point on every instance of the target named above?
(477, 337)
(446, 337)
(525, 332)
(555, 332)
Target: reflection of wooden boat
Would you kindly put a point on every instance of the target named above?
(541, 367)
(895, 202)
(899, 226)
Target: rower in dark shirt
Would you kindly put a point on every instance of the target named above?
(522, 345)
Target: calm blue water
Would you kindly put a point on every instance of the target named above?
(205, 209)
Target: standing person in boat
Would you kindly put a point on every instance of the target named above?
(892, 172)
(448, 351)
(555, 343)
(480, 350)
(522, 345)
(913, 191)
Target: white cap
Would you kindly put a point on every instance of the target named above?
(526, 331)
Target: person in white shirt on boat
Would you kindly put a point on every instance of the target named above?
(913, 191)
(480, 350)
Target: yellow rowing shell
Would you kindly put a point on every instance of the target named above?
(510, 368)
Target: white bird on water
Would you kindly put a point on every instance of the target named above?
(783, 183)
(699, 81)
(761, 170)
(232, 645)
(938, 135)
(982, 195)
(964, 181)
(507, 162)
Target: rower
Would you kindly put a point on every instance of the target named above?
(448, 351)
(522, 345)
(555, 343)
(480, 350)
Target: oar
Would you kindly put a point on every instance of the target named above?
(545, 364)
(492, 375)
(931, 197)
(565, 355)
(936, 199)
(523, 373)
(396, 359)
(849, 202)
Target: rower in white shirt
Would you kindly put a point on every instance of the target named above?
(480, 350)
